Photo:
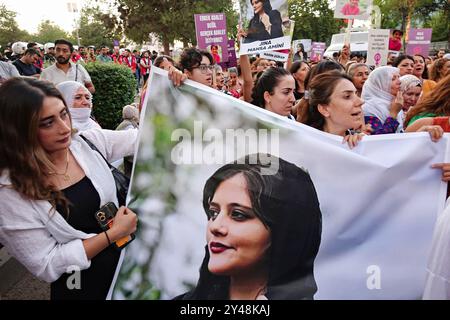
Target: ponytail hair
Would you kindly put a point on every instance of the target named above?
(320, 90)
(268, 80)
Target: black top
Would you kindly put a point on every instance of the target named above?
(298, 95)
(96, 280)
(257, 31)
(26, 69)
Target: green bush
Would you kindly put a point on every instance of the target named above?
(115, 87)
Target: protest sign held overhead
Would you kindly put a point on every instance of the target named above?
(265, 26)
(211, 31)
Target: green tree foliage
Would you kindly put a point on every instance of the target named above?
(97, 28)
(9, 29)
(115, 88)
(424, 14)
(170, 19)
(314, 20)
(48, 31)
(440, 23)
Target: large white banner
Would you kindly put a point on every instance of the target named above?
(379, 201)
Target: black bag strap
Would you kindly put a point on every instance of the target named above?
(76, 79)
(93, 147)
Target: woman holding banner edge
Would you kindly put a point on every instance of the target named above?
(51, 185)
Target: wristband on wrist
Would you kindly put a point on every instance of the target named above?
(107, 238)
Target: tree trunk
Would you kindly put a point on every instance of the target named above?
(404, 11)
(166, 45)
(411, 5)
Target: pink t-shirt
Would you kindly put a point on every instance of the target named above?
(348, 10)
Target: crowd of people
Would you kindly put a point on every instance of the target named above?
(53, 182)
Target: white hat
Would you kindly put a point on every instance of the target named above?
(446, 56)
(19, 47)
(48, 45)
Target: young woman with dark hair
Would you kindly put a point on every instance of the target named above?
(404, 63)
(333, 106)
(51, 185)
(299, 71)
(274, 91)
(421, 72)
(263, 233)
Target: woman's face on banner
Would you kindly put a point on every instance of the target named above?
(237, 239)
(257, 6)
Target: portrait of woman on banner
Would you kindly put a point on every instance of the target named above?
(352, 9)
(263, 232)
(216, 52)
(265, 24)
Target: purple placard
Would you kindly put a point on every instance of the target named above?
(232, 60)
(419, 42)
(211, 31)
(116, 43)
(317, 49)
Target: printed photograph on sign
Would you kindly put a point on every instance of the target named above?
(317, 50)
(226, 191)
(265, 25)
(353, 9)
(211, 33)
(302, 49)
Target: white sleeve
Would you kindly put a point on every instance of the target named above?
(113, 144)
(86, 76)
(43, 75)
(13, 71)
(27, 238)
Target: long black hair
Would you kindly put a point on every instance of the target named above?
(267, 81)
(287, 204)
(267, 7)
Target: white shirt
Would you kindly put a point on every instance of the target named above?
(44, 242)
(8, 70)
(76, 72)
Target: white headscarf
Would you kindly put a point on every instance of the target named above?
(409, 81)
(81, 117)
(376, 92)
